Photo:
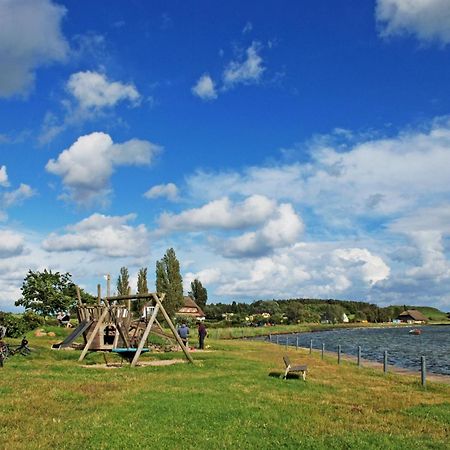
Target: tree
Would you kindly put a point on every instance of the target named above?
(46, 292)
(198, 293)
(123, 282)
(142, 287)
(168, 280)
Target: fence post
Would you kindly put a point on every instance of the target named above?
(270, 338)
(385, 362)
(287, 342)
(310, 346)
(423, 371)
(296, 343)
(359, 355)
(339, 353)
(277, 339)
(323, 348)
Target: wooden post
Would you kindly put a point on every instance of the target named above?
(93, 334)
(145, 336)
(423, 371)
(339, 353)
(108, 285)
(296, 343)
(270, 338)
(359, 355)
(99, 294)
(277, 339)
(172, 327)
(323, 348)
(80, 303)
(385, 362)
(310, 347)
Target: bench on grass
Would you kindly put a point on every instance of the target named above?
(290, 368)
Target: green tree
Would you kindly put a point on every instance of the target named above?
(123, 282)
(168, 280)
(142, 288)
(199, 293)
(46, 292)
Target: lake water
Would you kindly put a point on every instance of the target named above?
(404, 349)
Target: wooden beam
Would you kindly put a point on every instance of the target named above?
(172, 327)
(145, 336)
(131, 297)
(80, 303)
(93, 334)
(99, 294)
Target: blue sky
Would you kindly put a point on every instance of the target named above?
(284, 149)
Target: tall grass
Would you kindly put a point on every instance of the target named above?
(231, 398)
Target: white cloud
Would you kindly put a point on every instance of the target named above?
(87, 165)
(168, 191)
(371, 178)
(30, 37)
(103, 235)
(3, 177)
(93, 90)
(11, 244)
(220, 214)
(247, 28)
(428, 20)
(17, 196)
(206, 276)
(314, 270)
(248, 71)
(205, 88)
(282, 230)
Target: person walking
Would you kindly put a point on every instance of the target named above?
(202, 333)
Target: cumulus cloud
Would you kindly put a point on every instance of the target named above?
(11, 244)
(205, 88)
(87, 165)
(30, 37)
(282, 230)
(379, 177)
(110, 236)
(3, 177)
(168, 191)
(247, 71)
(220, 214)
(92, 95)
(94, 90)
(18, 195)
(314, 270)
(428, 20)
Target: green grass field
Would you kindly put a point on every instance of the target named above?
(230, 399)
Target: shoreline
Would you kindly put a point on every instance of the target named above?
(431, 376)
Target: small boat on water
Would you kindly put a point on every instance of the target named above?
(415, 331)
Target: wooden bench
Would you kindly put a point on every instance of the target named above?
(290, 368)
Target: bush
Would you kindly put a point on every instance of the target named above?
(18, 325)
(15, 325)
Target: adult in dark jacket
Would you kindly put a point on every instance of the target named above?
(202, 333)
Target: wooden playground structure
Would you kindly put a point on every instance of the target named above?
(109, 326)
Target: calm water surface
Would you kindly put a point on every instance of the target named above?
(404, 349)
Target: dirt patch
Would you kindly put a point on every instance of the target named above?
(167, 362)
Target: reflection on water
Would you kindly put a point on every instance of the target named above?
(404, 349)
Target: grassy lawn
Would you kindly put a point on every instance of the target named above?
(228, 399)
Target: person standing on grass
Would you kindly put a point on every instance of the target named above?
(183, 332)
(202, 333)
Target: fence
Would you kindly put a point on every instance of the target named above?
(423, 368)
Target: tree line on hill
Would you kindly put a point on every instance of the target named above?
(300, 310)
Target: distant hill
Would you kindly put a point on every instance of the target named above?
(431, 313)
